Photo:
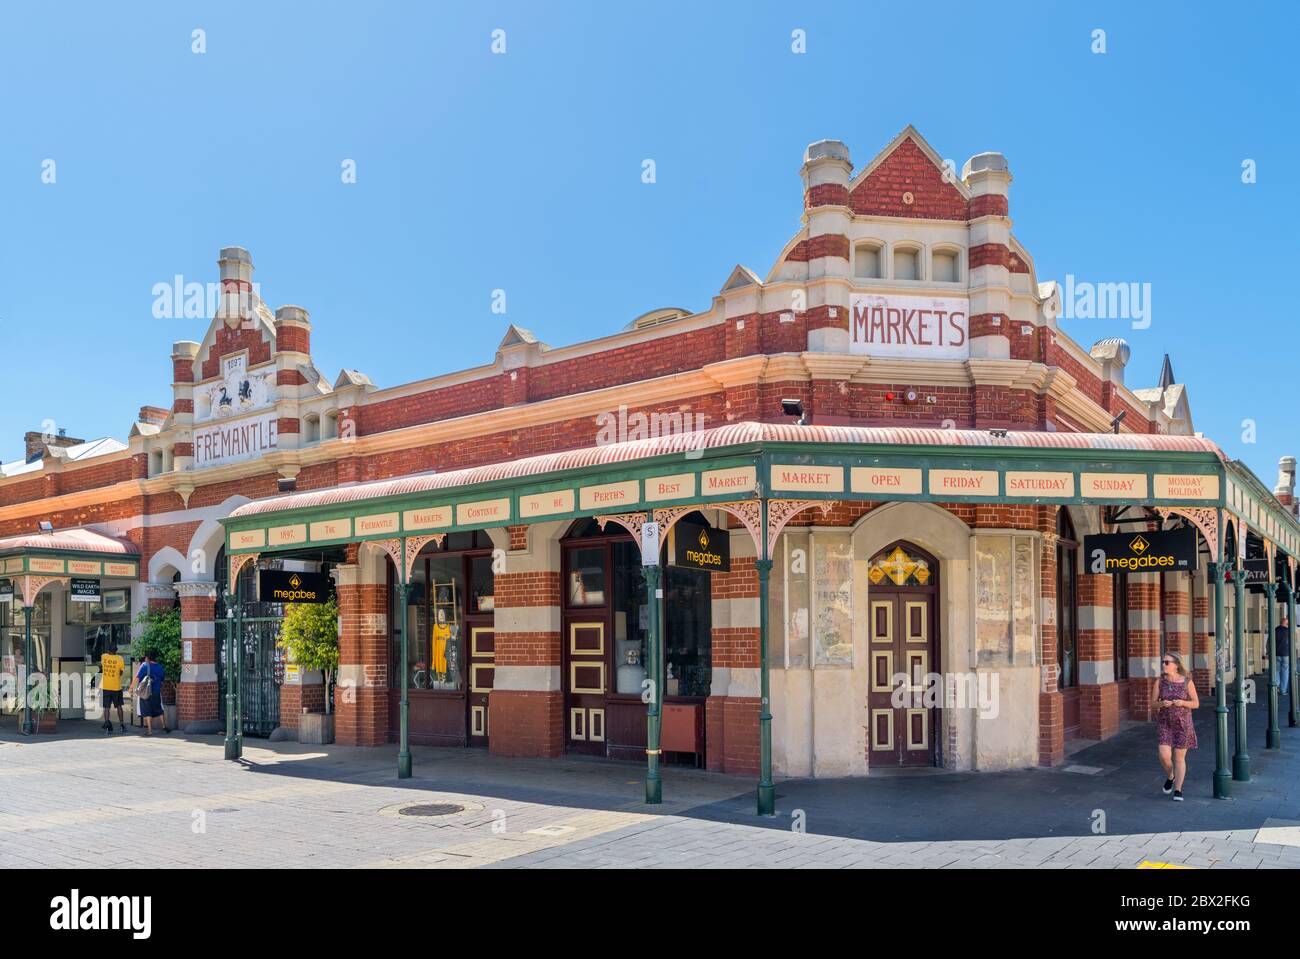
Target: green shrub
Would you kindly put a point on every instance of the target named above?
(309, 635)
(160, 634)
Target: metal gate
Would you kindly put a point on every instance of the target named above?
(261, 673)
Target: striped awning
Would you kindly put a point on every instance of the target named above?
(737, 434)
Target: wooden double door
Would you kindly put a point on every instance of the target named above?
(904, 698)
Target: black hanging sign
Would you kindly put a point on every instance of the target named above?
(696, 546)
(1172, 550)
(1256, 574)
(83, 590)
(282, 586)
(6, 590)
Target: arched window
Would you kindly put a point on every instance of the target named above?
(1067, 601)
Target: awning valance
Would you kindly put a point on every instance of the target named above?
(773, 461)
(79, 551)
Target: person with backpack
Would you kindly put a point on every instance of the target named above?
(147, 686)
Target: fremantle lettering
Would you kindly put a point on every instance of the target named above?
(232, 442)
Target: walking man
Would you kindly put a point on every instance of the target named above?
(1282, 668)
(111, 668)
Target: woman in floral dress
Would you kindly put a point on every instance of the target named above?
(1171, 705)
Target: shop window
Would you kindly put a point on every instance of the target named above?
(832, 598)
(907, 263)
(587, 576)
(1005, 586)
(12, 637)
(604, 575)
(451, 593)
(866, 261)
(1119, 609)
(944, 266)
(788, 600)
(1067, 601)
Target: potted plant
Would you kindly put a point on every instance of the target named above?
(309, 635)
(160, 634)
(43, 699)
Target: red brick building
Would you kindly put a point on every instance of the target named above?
(927, 517)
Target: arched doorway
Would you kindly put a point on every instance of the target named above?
(903, 643)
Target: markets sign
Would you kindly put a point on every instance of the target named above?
(234, 442)
(917, 327)
(279, 586)
(701, 547)
(83, 590)
(1141, 552)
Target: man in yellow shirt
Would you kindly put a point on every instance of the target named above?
(111, 668)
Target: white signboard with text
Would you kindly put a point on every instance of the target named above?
(910, 327)
(234, 441)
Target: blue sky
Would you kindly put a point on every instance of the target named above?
(522, 172)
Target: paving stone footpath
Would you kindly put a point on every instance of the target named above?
(80, 799)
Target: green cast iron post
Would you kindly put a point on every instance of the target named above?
(1240, 758)
(766, 791)
(232, 742)
(654, 787)
(404, 746)
(1294, 720)
(237, 673)
(1274, 739)
(1222, 775)
(28, 726)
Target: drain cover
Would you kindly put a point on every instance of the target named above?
(431, 809)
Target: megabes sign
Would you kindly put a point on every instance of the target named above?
(701, 547)
(279, 586)
(1171, 550)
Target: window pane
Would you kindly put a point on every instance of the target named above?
(833, 598)
(481, 598)
(688, 633)
(587, 576)
(631, 618)
(1025, 620)
(446, 620)
(993, 588)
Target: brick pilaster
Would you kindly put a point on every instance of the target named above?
(1098, 692)
(526, 705)
(1143, 641)
(196, 699)
(361, 695)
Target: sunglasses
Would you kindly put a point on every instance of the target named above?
(1166, 662)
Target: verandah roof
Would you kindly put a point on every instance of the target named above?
(764, 459)
(78, 551)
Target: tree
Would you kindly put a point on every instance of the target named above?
(309, 634)
(160, 634)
